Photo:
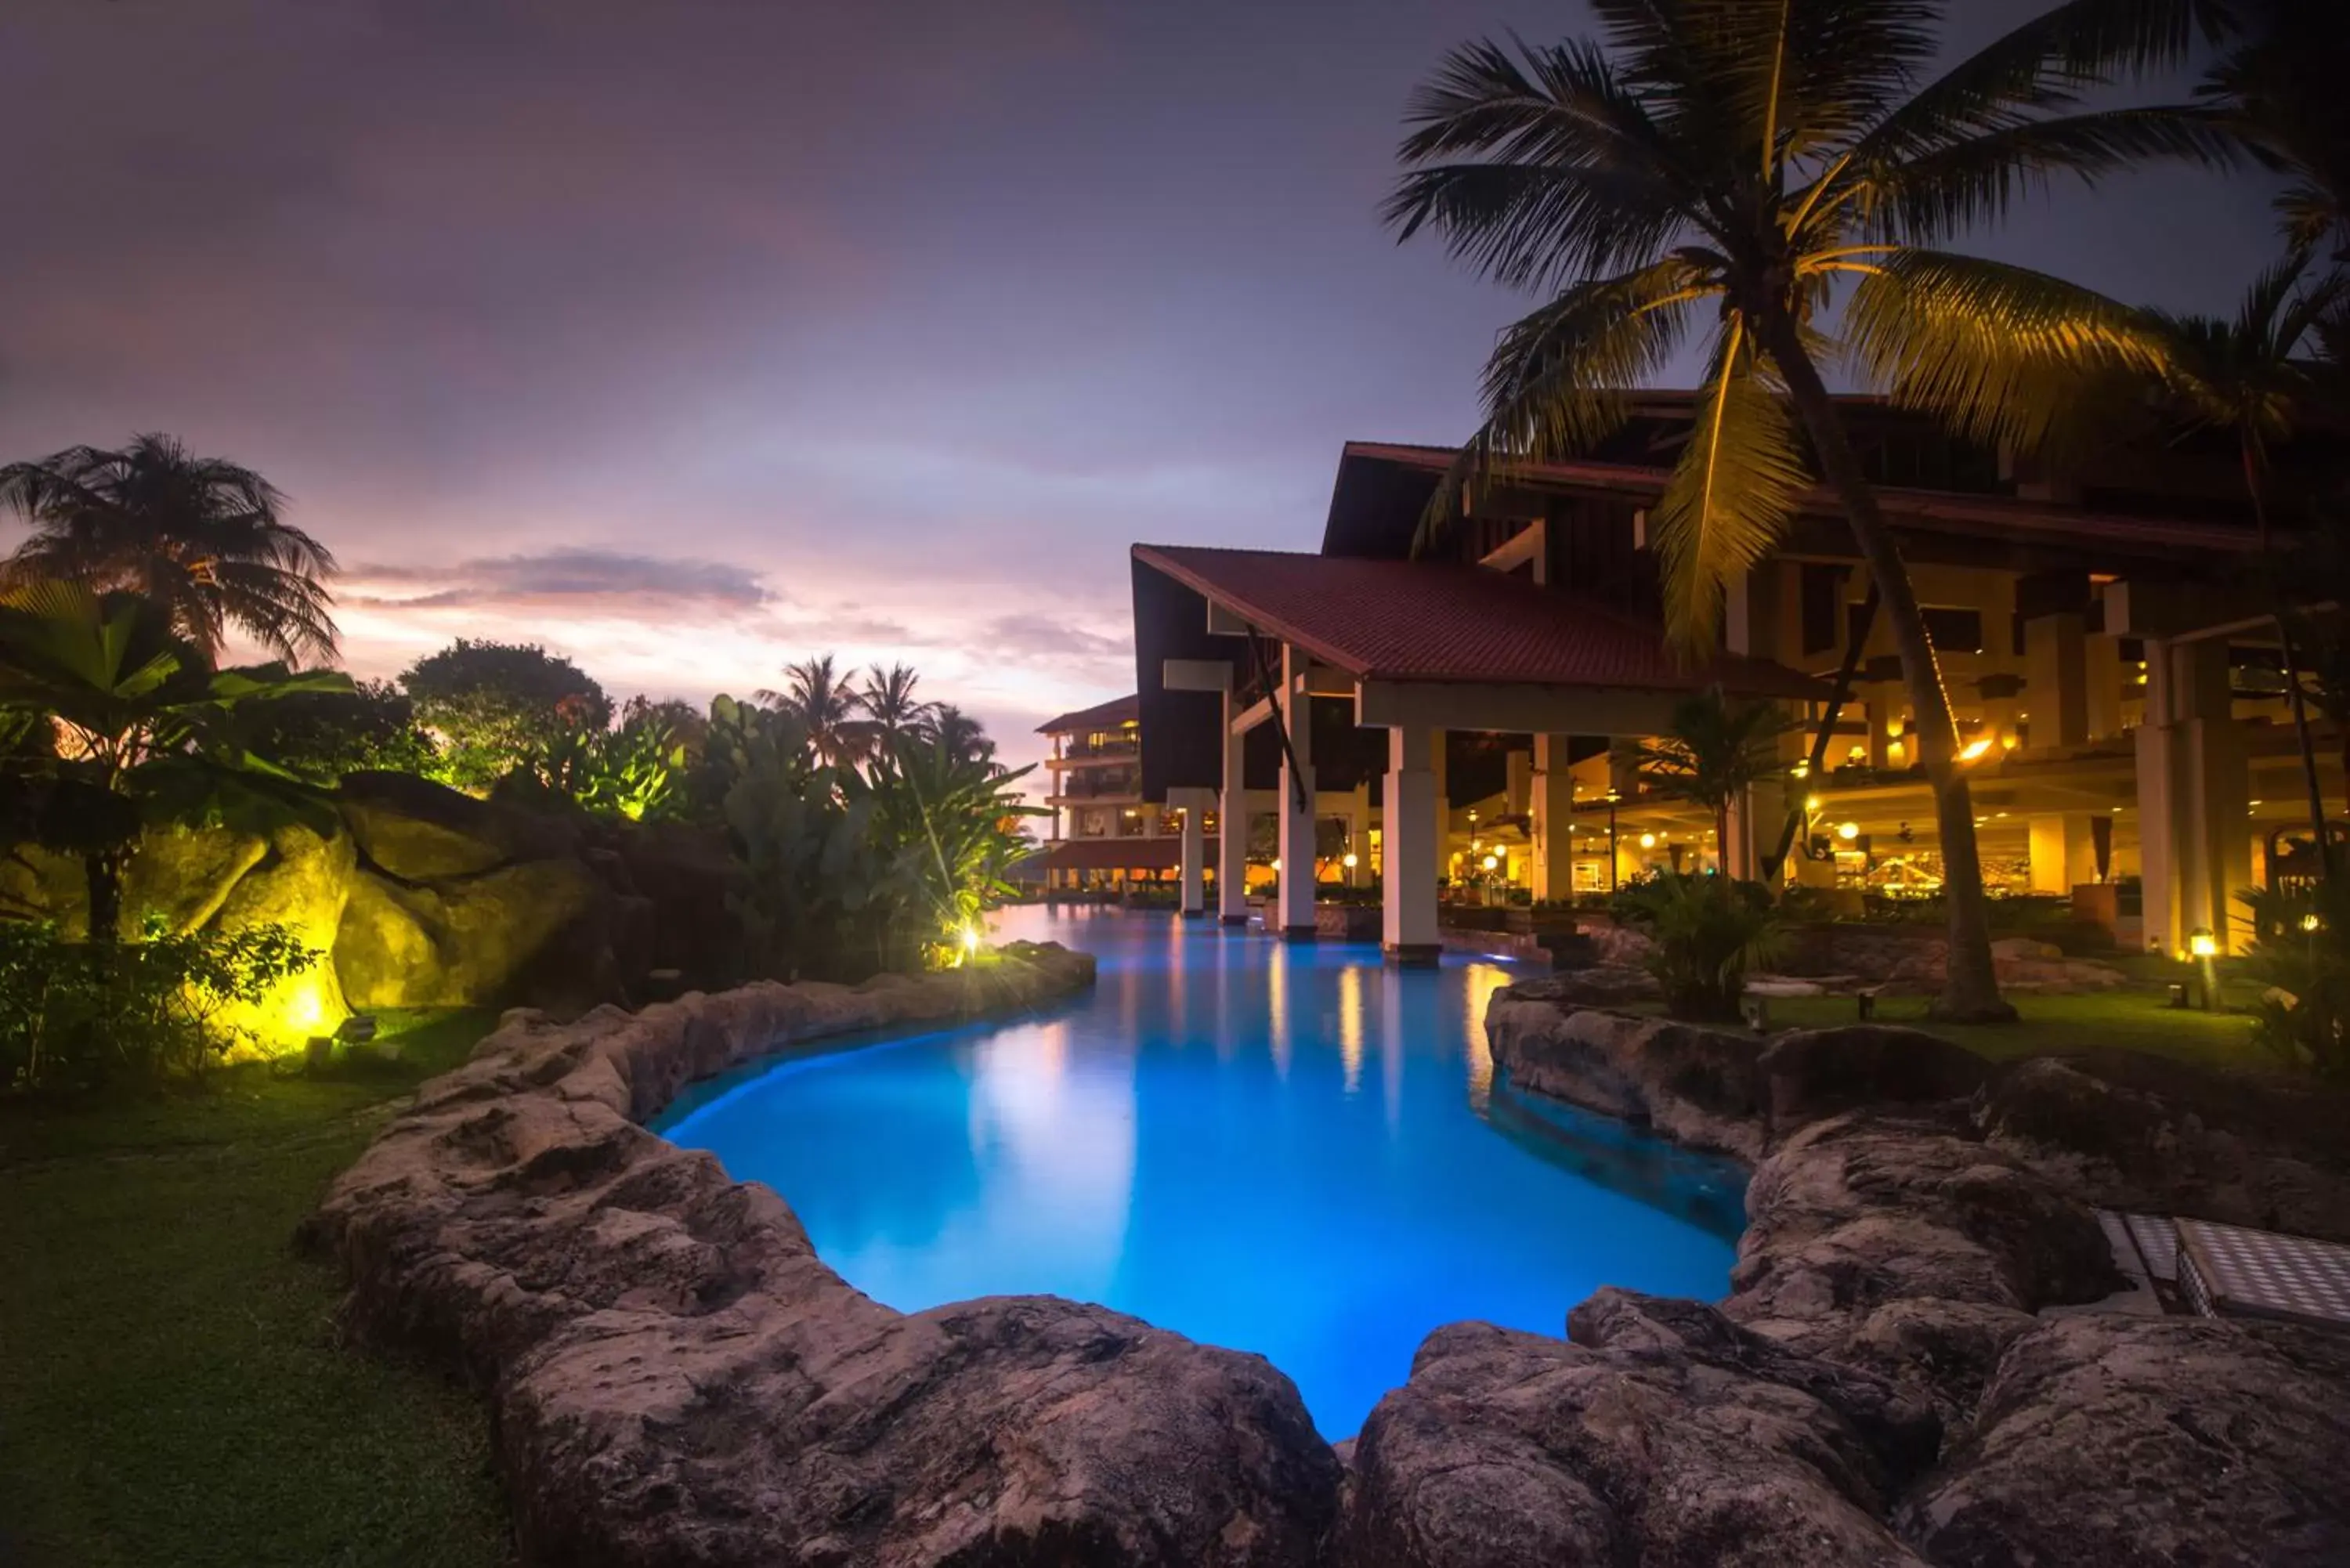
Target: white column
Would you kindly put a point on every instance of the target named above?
(1296, 800)
(2063, 855)
(2055, 679)
(1359, 835)
(1414, 819)
(1553, 812)
(1195, 860)
(2158, 805)
(1232, 825)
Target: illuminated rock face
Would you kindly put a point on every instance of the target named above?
(678, 1378)
(425, 897)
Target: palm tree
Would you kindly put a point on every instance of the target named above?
(1726, 164)
(957, 733)
(2282, 81)
(1714, 754)
(199, 535)
(888, 699)
(146, 729)
(814, 694)
(2248, 377)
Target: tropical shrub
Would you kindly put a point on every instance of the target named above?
(141, 730)
(634, 772)
(496, 706)
(799, 829)
(949, 824)
(79, 1014)
(2302, 958)
(319, 736)
(1709, 933)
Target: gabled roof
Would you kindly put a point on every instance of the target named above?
(1106, 715)
(1356, 497)
(1435, 621)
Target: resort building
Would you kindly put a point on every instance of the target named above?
(1464, 715)
(1103, 836)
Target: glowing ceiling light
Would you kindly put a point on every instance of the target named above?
(1847, 830)
(1349, 860)
(1647, 841)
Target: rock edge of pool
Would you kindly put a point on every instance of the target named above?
(675, 1377)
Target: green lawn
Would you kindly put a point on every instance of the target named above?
(2134, 1019)
(171, 1389)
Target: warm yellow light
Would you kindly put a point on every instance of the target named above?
(1276, 862)
(1847, 830)
(1349, 860)
(971, 938)
(2202, 944)
(304, 1009)
(1974, 749)
(1895, 751)
(1802, 770)
(2310, 922)
(1811, 803)
(1647, 841)
(1493, 862)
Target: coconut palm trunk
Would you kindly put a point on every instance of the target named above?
(2294, 696)
(1970, 989)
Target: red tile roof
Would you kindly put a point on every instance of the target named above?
(1931, 511)
(1106, 715)
(1431, 620)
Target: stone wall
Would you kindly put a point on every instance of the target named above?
(1908, 1370)
(677, 1378)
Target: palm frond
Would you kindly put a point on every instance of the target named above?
(2001, 352)
(1806, 75)
(1555, 383)
(1977, 178)
(2040, 66)
(1535, 166)
(1731, 494)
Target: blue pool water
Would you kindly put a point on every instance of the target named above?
(1289, 1149)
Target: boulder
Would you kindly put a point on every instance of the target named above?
(1813, 1072)
(2131, 1131)
(538, 933)
(412, 830)
(1905, 1247)
(2106, 1438)
(678, 1378)
(300, 881)
(1711, 1088)
(1507, 1449)
(1698, 1087)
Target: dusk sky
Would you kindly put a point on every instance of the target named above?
(695, 337)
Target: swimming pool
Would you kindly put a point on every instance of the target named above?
(1293, 1150)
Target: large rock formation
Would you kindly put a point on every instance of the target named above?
(1919, 1230)
(2126, 1440)
(677, 1377)
(427, 898)
(1712, 1088)
(1665, 1436)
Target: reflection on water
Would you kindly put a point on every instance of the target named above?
(1193, 1143)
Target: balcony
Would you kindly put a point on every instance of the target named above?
(1122, 783)
(1090, 751)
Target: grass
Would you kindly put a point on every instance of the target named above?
(172, 1390)
(2128, 1019)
